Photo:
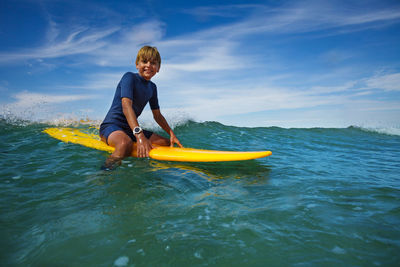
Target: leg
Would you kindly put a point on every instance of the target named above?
(159, 140)
(122, 143)
(123, 148)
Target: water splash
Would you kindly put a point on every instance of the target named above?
(389, 130)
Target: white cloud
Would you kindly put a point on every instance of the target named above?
(26, 99)
(212, 103)
(226, 11)
(98, 82)
(296, 17)
(80, 41)
(325, 90)
(230, 99)
(308, 16)
(121, 50)
(209, 58)
(388, 82)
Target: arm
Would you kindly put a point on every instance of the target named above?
(143, 144)
(159, 118)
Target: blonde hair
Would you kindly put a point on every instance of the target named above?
(148, 53)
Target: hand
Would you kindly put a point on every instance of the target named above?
(143, 146)
(173, 140)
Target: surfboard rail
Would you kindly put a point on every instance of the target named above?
(200, 155)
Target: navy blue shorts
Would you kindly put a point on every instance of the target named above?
(107, 129)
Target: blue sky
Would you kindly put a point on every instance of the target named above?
(245, 63)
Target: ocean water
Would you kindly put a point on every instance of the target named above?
(325, 197)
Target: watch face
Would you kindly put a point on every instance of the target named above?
(137, 130)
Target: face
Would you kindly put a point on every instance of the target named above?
(147, 68)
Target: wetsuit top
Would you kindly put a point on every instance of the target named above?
(136, 88)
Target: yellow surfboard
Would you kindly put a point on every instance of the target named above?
(72, 135)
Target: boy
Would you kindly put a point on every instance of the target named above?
(120, 128)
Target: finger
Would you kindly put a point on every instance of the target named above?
(179, 143)
(141, 153)
(176, 141)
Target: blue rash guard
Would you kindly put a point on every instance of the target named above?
(140, 91)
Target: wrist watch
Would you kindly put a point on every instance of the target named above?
(137, 130)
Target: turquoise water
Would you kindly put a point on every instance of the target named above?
(326, 197)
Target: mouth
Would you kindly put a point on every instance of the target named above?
(148, 73)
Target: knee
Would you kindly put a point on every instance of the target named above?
(159, 140)
(164, 142)
(124, 148)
